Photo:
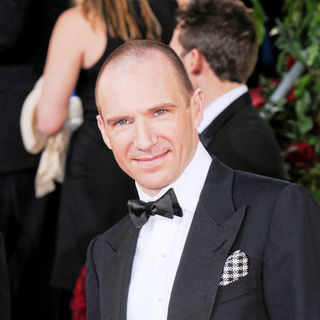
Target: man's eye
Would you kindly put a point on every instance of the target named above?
(160, 112)
(122, 122)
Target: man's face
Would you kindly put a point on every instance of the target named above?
(147, 122)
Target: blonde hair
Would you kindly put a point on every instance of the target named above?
(120, 18)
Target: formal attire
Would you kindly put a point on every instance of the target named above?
(251, 252)
(160, 244)
(235, 133)
(95, 188)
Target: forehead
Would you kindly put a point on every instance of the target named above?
(140, 83)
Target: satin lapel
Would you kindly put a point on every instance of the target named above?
(118, 273)
(208, 135)
(213, 231)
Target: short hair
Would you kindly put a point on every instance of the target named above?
(141, 49)
(224, 32)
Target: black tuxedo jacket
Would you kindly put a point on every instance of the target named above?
(241, 139)
(274, 222)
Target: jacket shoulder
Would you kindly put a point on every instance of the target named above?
(112, 235)
(252, 188)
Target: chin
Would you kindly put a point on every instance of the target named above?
(153, 185)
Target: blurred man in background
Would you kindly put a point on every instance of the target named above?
(217, 42)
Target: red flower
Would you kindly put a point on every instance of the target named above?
(290, 95)
(290, 62)
(302, 155)
(78, 301)
(256, 96)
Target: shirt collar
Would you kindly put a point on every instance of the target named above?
(220, 104)
(189, 185)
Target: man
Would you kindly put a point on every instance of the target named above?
(217, 243)
(217, 42)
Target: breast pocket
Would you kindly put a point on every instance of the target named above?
(237, 289)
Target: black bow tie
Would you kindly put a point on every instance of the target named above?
(166, 206)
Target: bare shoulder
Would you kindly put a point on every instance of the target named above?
(72, 31)
(71, 15)
(72, 19)
(75, 18)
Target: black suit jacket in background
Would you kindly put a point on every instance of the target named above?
(274, 222)
(241, 139)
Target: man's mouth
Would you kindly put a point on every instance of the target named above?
(153, 160)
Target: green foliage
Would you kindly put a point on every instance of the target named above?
(296, 119)
(259, 18)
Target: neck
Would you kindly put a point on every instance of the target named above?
(213, 87)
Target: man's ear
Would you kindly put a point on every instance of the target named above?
(103, 131)
(197, 106)
(194, 61)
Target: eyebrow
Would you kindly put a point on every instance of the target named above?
(152, 109)
(168, 105)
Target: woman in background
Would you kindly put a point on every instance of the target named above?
(94, 185)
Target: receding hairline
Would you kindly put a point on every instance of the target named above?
(129, 61)
(136, 52)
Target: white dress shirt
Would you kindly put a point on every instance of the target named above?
(220, 104)
(161, 242)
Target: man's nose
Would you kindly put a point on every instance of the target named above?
(145, 136)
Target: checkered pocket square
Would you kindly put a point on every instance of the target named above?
(236, 267)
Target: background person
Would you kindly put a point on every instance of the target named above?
(217, 42)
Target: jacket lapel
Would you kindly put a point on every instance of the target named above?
(117, 271)
(208, 135)
(213, 231)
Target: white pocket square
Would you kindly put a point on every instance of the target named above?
(236, 267)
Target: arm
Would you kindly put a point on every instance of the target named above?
(291, 271)
(63, 64)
